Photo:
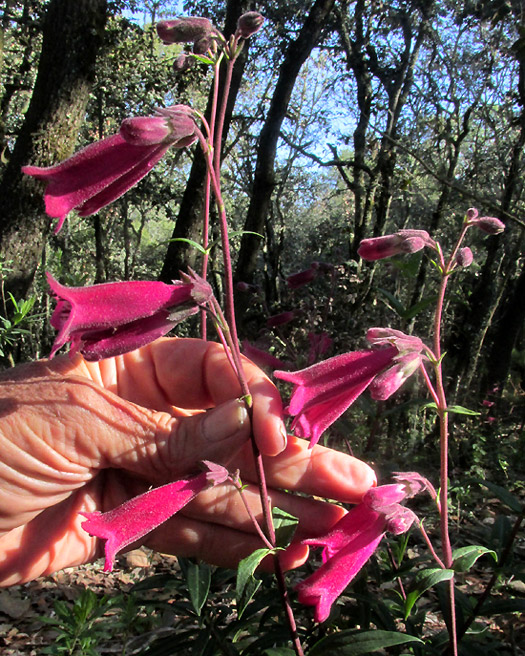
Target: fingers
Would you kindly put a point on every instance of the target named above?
(318, 471)
(217, 545)
(224, 505)
(183, 376)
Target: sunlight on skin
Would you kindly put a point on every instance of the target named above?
(88, 436)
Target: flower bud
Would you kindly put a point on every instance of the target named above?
(172, 125)
(378, 498)
(472, 214)
(145, 130)
(201, 46)
(401, 242)
(400, 520)
(184, 30)
(182, 63)
(249, 23)
(490, 225)
(391, 337)
(464, 258)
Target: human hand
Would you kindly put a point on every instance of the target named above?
(78, 436)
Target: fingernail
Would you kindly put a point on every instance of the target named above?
(225, 421)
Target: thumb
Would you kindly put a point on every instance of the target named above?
(167, 447)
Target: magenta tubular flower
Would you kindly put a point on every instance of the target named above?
(390, 380)
(402, 242)
(113, 318)
(280, 319)
(103, 171)
(350, 544)
(262, 358)
(138, 516)
(301, 278)
(325, 390)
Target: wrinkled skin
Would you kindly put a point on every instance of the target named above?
(78, 436)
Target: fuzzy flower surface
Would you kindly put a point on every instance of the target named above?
(109, 319)
(353, 540)
(103, 171)
(135, 518)
(325, 390)
(403, 242)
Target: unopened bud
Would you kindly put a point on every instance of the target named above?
(490, 225)
(249, 23)
(202, 46)
(401, 242)
(400, 519)
(145, 130)
(464, 258)
(472, 214)
(182, 63)
(184, 30)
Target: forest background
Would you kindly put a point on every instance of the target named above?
(349, 119)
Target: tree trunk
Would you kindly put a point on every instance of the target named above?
(264, 183)
(180, 255)
(72, 35)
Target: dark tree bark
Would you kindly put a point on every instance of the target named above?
(264, 178)
(180, 255)
(72, 35)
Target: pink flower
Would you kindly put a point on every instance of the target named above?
(280, 319)
(103, 171)
(135, 518)
(400, 243)
(325, 390)
(301, 278)
(390, 380)
(263, 358)
(351, 542)
(113, 318)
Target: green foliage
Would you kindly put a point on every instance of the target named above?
(80, 630)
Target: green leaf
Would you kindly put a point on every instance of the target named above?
(415, 309)
(465, 557)
(198, 578)
(460, 410)
(502, 493)
(285, 525)
(247, 584)
(191, 242)
(351, 643)
(395, 305)
(279, 651)
(424, 580)
(203, 59)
